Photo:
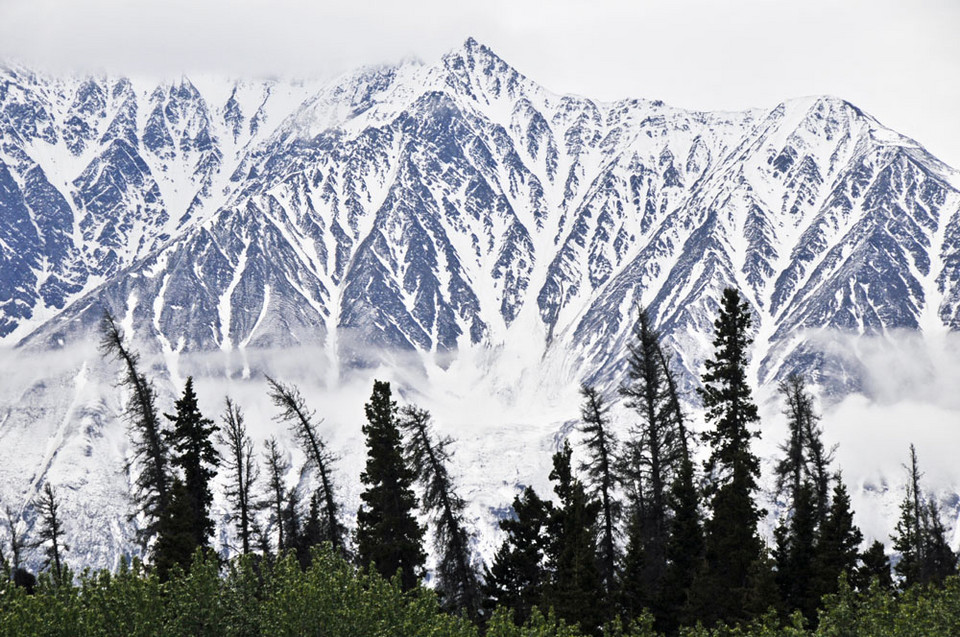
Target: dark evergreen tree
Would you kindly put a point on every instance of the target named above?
(388, 535)
(651, 465)
(51, 532)
(791, 469)
(176, 533)
(243, 471)
(457, 581)
(733, 548)
(17, 540)
(803, 482)
(517, 575)
(197, 458)
(186, 525)
(151, 454)
(685, 546)
(302, 421)
(290, 520)
(838, 543)
(920, 538)
(804, 454)
(685, 550)
(941, 559)
(795, 554)
(276, 496)
(575, 589)
(313, 528)
(874, 565)
(603, 477)
(908, 540)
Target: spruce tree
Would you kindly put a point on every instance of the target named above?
(517, 576)
(685, 544)
(276, 496)
(303, 423)
(802, 480)
(186, 525)
(151, 453)
(457, 580)
(874, 565)
(685, 550)
(838, 543)
(243, 471)
(388, 535)
(176, 533)
(51, 532)
(941, 559)
(795, 554)
(733, 548)
(575, 589)
(313, 528)
(790, 470)
(197, 458)
(17, 540)
(603, 477)
(652, 462)
(804, 455)
(294, 528)
(920, 538)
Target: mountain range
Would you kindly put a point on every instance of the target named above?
(446, 217)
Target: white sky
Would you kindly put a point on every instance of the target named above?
(898, 60)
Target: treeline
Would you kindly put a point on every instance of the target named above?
(638, 538)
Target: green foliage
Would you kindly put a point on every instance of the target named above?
(333, 599)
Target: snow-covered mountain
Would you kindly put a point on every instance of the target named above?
(454, 217)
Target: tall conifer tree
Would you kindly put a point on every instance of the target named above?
(242, 466)
(186, 524)
(151, 453)
(651, 464)
(429, 456)
(838, 543)
(733, 548)
(302, 421)
(51, 531)
(276, 496)
(603, 478)
(575, 589)
(191, 440)
(920, 539)
(517, 576)
(388, 535)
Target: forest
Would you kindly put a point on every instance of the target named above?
(638, 537)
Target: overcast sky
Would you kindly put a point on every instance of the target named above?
(898, 60)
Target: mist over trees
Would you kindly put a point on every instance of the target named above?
(637, 538)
